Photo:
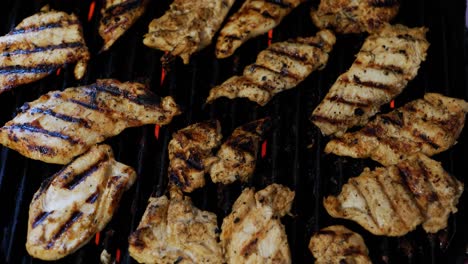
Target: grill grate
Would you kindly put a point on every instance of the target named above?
(294, 148)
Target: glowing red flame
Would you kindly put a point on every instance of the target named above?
(264, 149)
(392, 104)
(117, 255)
(98, 237)
(163, 76)
(156, 131)
(58, 71)
(91, 10)
(270, 36)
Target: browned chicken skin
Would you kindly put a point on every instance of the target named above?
(430, 126)
(392, 201)
(337, 245)
(117, 17)
(238, 154)
(190, 154)
(280, 67)
(354, 16)
(253, 232)
(386, 62)
(76, 203)
(187, 27)
(61, 125)
(39, 45)
(174, 231)
(254, 18)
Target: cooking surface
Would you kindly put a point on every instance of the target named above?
(293, 152)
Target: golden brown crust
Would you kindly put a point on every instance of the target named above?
(76, 203)
(349, 16)
(392, 201)
(430, 126)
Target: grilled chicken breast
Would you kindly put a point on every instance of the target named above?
(386, 62)
(39, 45)
(63, 124)
(174, 231)
(187, 27)
(76, 203)
(337, 244)
(430, 126)
(350, 16)
(190, 154)
(392, 201)
(238, 154)
(117, 17)
(254, 18)
(280, 67)
(253, 232)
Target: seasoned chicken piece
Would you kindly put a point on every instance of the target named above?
(190, 154)
(187, 27)
(238, 154)
(337, 244)
(174, 231)
(254, 18)
(76, 203)
(39, 45)
(430, 125)
(351, 16)
(61, 125)
(253, 232)
(386, 62)
(280, 67)
(392, 201)
(117, 17)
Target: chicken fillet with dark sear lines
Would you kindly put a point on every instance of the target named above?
(430, 126)
(392, 201)
(254, 18)
(280, 67)
(61, 125)
(238, 154)
(76, 203)
(352, 16)
(174, 231)
(253, 232)
(39, 45)
(117, 17)
(337, 245)
(187, 27)
(387, 61)
(190, 154)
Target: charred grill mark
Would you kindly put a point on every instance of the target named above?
(231, 37)
(371, 84)
(397, 70)
(93, 197)
(121, 8)
(280, 3)
(69, 45)
(284, 71)
(77, 179)
(426, 139)
(319, 45)
(40, 218)
(292, 55)
(250, 248)
(44, 150)
(264, 13)
(339, 99)
(178, 260)
(395, 118)
(432, 197)
(35, 28)
(390, 201)
(264, 87)
(326, 119)
(19, 69)
(246, 146)
(86, 105)
(63, 117)
(34, 129)
(326, 233)
(369, 210)
(192, 161)
(73, 218)
(146, 99)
